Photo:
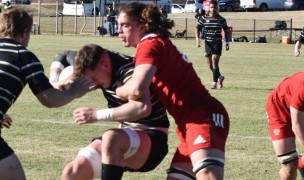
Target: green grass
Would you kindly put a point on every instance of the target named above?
(46, 139)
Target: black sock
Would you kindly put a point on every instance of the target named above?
(111, 172)
(216, 74)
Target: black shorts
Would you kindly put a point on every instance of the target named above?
(5, 150)
(159, 149)
(214, 47)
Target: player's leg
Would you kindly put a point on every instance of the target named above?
(209, 61)
(11, 168)
(215, 68)
(208, 163)
(206, 141)
(282, 136)
(87, 165)
(285, 150)
(181, 166)
(111, 28)
(121, 144)
(153, 156)
(216, 54)
(208, 149)
(208, 55)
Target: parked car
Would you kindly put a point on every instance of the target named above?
(177, 8)
(22, 1)
(17, 1)
(4, 1)
(262, 5)
(229, 5)
(294, 4)
(192, 5)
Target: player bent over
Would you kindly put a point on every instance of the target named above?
(140, 142)
(299, 44)
(285, 111)
(61, 61)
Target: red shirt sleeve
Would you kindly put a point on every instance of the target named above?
(297, 97)
(149, 51)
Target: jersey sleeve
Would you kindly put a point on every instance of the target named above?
(200, 23)
(33, 72)
(224, 24)
(297, 98)
(149, 51)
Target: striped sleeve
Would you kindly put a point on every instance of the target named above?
(33, 72)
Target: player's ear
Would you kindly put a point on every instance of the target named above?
(106, 61)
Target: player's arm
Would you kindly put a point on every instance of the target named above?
(130, 111)
(197, 32)
(227, 36)
(7, 121)
(55, 98)
(56, 68)
(61, 61)
(297, 51)
(297, 118)
(139, 83)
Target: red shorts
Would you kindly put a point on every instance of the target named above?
(279, 120)
(205, 128)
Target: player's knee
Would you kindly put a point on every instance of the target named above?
(207, 163)
(70, 171)
(110, 139)
(91, 159)
(176, 173)
(288, 158)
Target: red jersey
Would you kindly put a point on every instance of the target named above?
(175, 80)
(290, 92)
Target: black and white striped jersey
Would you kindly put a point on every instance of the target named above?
(212, 27)
(123, 67)
(18, 67)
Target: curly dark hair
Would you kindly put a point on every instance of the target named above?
(150, 16)
(87, 58)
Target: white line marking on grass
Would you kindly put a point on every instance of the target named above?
(247, 137)
(56, 121)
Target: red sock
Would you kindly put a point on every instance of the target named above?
(300, 162)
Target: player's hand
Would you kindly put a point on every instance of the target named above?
(80, 86)
(7, 121)
(227, 47)
(84, 115)
(198, 42)
(62, 85)
(297, 53)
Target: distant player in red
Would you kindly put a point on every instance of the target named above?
(285, 111)
(202, 121)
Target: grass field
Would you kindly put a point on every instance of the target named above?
(46, 139)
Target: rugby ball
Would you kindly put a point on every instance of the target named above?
(66, 77)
